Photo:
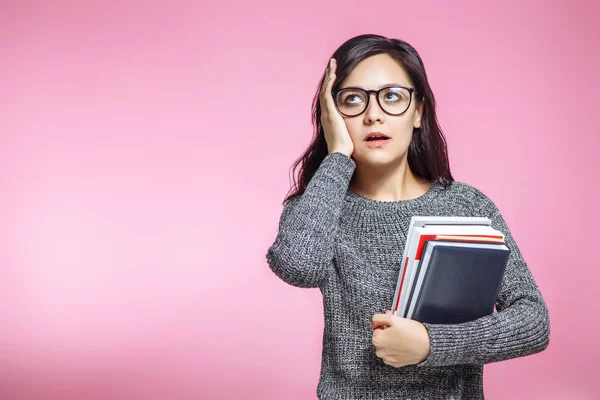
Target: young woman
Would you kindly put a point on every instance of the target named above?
(378, 158)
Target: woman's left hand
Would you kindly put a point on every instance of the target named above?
(399, 341)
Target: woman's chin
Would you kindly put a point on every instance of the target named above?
(376, 158)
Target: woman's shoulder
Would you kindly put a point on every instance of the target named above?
(466, 189)
(469, 195)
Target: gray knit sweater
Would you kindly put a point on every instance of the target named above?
(350, 247)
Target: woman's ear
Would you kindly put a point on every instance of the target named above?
(418, 116)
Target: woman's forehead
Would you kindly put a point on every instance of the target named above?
(376, 72)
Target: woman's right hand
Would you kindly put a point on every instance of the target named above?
(336, 134)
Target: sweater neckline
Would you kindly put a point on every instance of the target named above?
(361, 202)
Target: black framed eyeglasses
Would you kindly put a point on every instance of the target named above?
(393, 100)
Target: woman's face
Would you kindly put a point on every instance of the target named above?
(374, 73)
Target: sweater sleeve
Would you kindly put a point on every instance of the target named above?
(520, 327)
(302, 254)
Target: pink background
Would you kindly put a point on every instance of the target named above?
(145, 150)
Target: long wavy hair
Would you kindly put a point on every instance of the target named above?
(427, 152)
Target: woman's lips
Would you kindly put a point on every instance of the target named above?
(377, 135)
(377, 142)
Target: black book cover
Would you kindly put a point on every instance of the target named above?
(461, 283)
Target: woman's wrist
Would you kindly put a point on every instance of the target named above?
(426, 348)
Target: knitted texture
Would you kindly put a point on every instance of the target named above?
(350, 247)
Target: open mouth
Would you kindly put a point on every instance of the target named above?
(377, 137)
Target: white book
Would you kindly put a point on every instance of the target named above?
(423, 221)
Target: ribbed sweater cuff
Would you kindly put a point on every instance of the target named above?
(514, 332)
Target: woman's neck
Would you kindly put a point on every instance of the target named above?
(388, 183)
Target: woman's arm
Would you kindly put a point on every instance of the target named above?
(303, 250)
(520, 327)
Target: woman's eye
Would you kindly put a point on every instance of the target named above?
(353, 99)
(391, 96)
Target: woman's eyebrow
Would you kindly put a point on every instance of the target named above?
(380, 86)
(391, 84)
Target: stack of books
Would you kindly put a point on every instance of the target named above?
(451, 270)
